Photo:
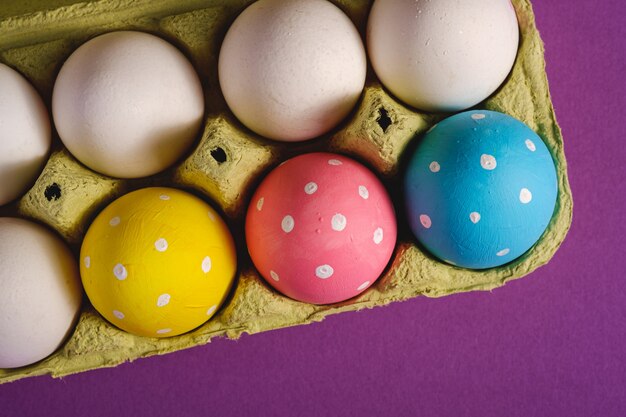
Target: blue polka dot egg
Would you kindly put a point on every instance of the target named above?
(480, 189)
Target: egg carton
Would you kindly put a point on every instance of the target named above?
(228, 162)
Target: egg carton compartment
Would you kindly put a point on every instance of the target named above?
(228, 161)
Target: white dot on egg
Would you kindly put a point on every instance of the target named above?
(474, 217)
(478, 116)
(431, 128)
(114, 221)
(211, 215)
(425, 220)
(274, 276)
(488, 162)
(120, 272)
(206, 264)
(503, 252)
(87, 261)
(118, 314)
(287, 224)
(324, 271)
(163, 300)
(211, 310)
(378, 235)
(530, 145)
(525, 196)
(334, 162)
(164, 197)
(364, 192)
(363, 286)
(163, 331)
(450, 262)
(434, 166)
(161, 245)
(310, 188)
(259, 203)
(338, 222)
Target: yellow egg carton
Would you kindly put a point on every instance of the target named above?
(228, 161)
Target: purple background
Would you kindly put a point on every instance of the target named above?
(552, 344)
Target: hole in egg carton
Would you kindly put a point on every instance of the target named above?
(219, 155)
(383, 120)
(52, 191)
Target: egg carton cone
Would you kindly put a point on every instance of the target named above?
(228, 161)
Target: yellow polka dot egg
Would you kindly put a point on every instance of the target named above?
(158, 262)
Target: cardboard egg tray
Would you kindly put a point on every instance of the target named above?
(228, 161)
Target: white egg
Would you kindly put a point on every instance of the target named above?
(40, 292)
(292, 70)
(444, 55)
(24, 134)
(127, 104)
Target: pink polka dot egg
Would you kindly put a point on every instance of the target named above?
(321, 228)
